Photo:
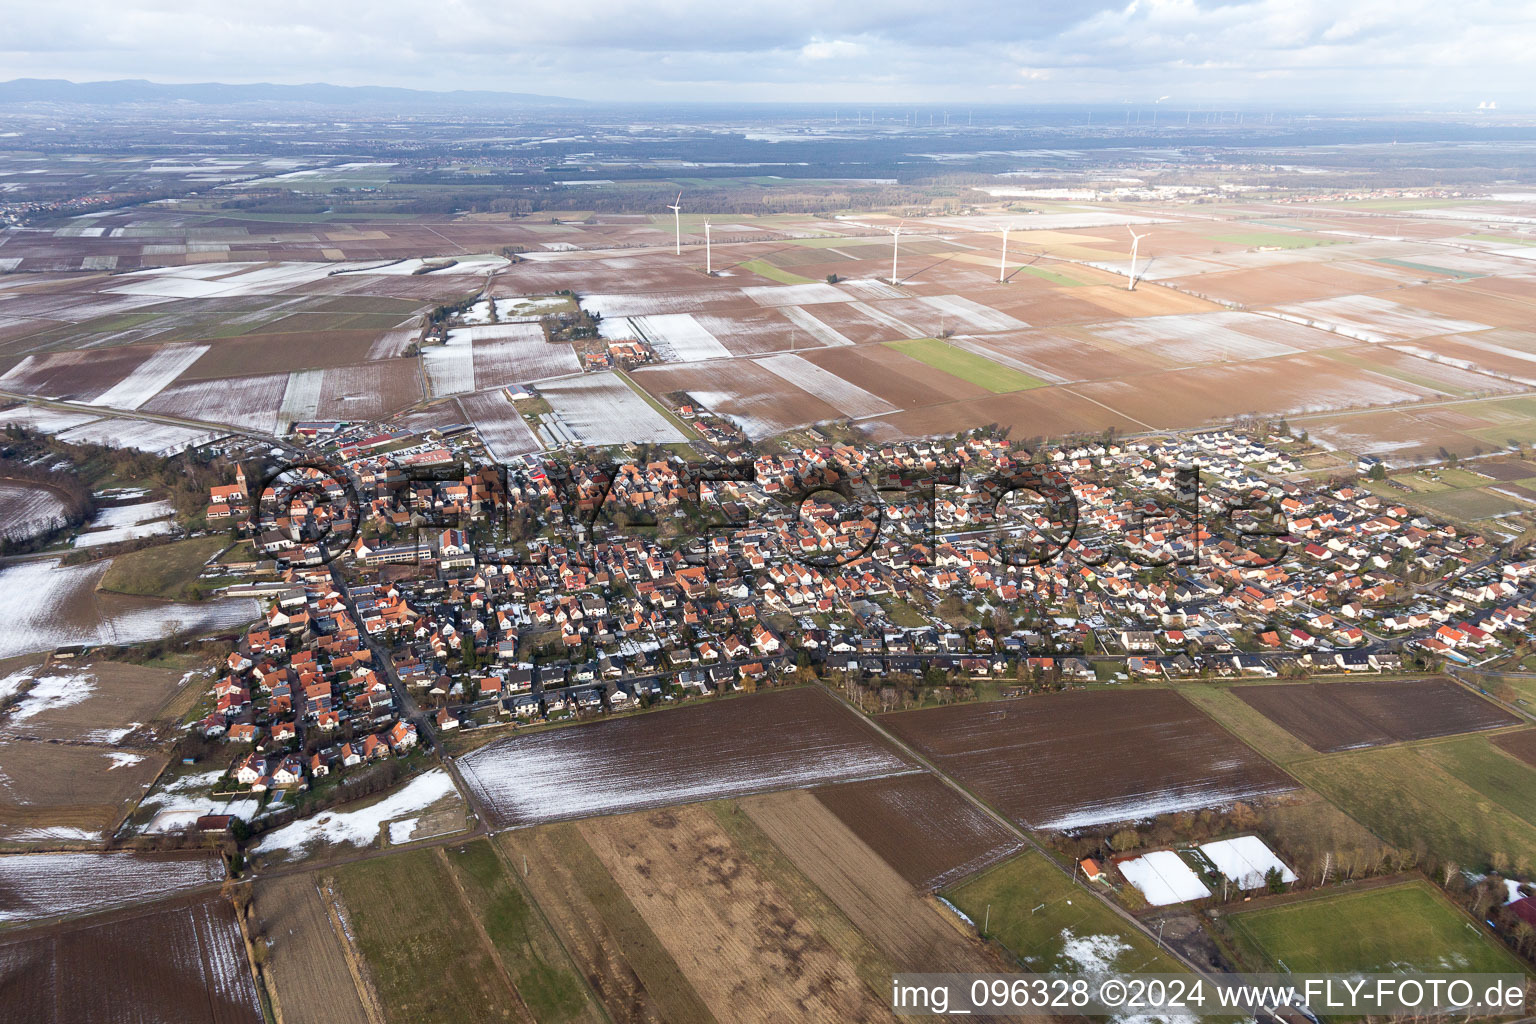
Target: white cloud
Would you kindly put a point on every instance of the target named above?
(898, 51)
(833, 49)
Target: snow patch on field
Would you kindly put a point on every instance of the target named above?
(847, 398)
(1246, 860)
(35, 885)
(151, 377)
(46, 605)
(27, 511)
(1163, 878)
(360, 827)
(251, 403)
(50, 693)
(1150, 805)
(128, 522)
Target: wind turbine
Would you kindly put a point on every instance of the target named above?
(1135, 242)
(709, 263)
(677, 223)
(895, 249)
(1002, 264)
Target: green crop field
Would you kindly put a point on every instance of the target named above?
(968, 366)
(1041, 917)
(1506, 780)
(431, 921)
(166, 570)
(1053, 276)
(1275, 238)
(763, 268)
(1413, 803)
(1373, 930)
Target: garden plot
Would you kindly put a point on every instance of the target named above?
(1373, 319)
(518, 354)
(36, 885)
(178, 804)
(679, 338)
(973, 315)
(251, 403)
(807, 322)
(500, 425)
(784, 739)
(360, 827)
(46, 605)
(1246, 861)
(847, 398)
(1163, 878)
(450, 366)
(601, 409)
(794, 294)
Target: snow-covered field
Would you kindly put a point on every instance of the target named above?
(1246, 860)
(301, 398)
(34, 885)
(128, 522)
(26, 511)
(846, 397)
(1163, 878)
(600, 408)
(45, 605)
(794, 294)
(807, 322)
(140, 435)
(612, 306)
(501, 427)
(973, 315)
(451, 365)
(513, 354)
(577, 773)
(248, 402)
(1202, 337)
(360, 827)
(1374, 319)
(43, 419)
(678, 337)
(151, 377)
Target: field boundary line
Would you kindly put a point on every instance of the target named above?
(365, 993)
(441, 856)
(518, 881)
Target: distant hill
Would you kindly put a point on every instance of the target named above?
(139, 91)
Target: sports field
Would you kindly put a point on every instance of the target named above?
(1049, 924)
(1387, 930)
(968, 366)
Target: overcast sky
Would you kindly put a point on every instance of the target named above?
(906, 51)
